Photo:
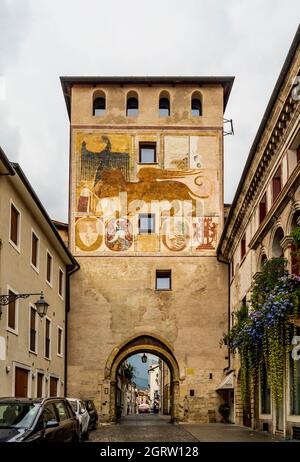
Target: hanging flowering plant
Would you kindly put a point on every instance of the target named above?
(264, 336)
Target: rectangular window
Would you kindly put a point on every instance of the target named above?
(34, 250)
(147, 153)
(163, 280)
(243, 247)
(33, 330)
(60, 282)
(49, 268)
(276, 184)
(146, 223)
(59, 340)
(47, 338)
(262, 208)
(14, 225)
(40, 380)
(12, 312)
(265, 392)
(295, 383)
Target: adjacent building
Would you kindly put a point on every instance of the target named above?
(265, 210)
(146, 214)
(154, 379)
(33, 258)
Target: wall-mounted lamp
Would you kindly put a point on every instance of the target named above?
(46, 378)
(33, 375)
(8, 369)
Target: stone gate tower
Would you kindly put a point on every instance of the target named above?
(146, 214)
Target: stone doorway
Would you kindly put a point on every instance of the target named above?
(143, 344)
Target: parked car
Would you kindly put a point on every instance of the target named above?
(144, 408)
(89, 404)
(83, 416)
(37, 420)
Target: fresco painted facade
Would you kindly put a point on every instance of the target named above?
(112, 188)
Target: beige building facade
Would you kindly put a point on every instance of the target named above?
(33, 258)
(265, 210)
(146, 215)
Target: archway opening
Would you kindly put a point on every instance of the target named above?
(277, 250)
(160, 353)
(143, 385)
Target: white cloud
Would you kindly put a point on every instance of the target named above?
(43, 39)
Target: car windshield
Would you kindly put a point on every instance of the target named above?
(18, 415)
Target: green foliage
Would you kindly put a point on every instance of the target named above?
(296, 235)
(266, 280)
(129, 372)
(264, 336)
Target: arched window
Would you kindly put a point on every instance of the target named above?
(295, 251)
(99, 106)
(132, 106)
(196, 105)
(164, 105)
(277, 250)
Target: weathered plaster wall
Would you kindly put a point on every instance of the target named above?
(116, 299)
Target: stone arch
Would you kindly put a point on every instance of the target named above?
(293, 216)
(146, 343)
(275, 248)
(261, 258)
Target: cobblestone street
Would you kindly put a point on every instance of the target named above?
(155, 428)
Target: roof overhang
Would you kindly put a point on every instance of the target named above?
(30, 198)
(228, 382)
(68, 82)
(5, 165)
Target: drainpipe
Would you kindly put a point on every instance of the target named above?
(71, 269)
(226, 262)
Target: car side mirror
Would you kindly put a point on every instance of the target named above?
(52, 423)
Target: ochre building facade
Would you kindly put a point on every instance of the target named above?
(146, 214)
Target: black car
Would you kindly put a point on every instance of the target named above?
(89, 404)
(37, 420)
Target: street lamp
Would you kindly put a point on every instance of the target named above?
(144, 358)
(41, 304)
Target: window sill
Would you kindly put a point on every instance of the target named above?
(12, 331)
(243, 259)
(16, 247)
(33, 352)
(47, 359)
(49, 283)
(148, 163)
(35, 268)
(163, 290)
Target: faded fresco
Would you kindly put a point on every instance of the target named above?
(112, 190)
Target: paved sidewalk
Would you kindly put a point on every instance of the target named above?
(157, 428)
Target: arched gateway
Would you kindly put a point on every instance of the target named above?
(137, 344)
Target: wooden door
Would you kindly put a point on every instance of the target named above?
(39, 391)
(53, 386)
(21, 383)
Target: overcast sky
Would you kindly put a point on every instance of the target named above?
(43, 39)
